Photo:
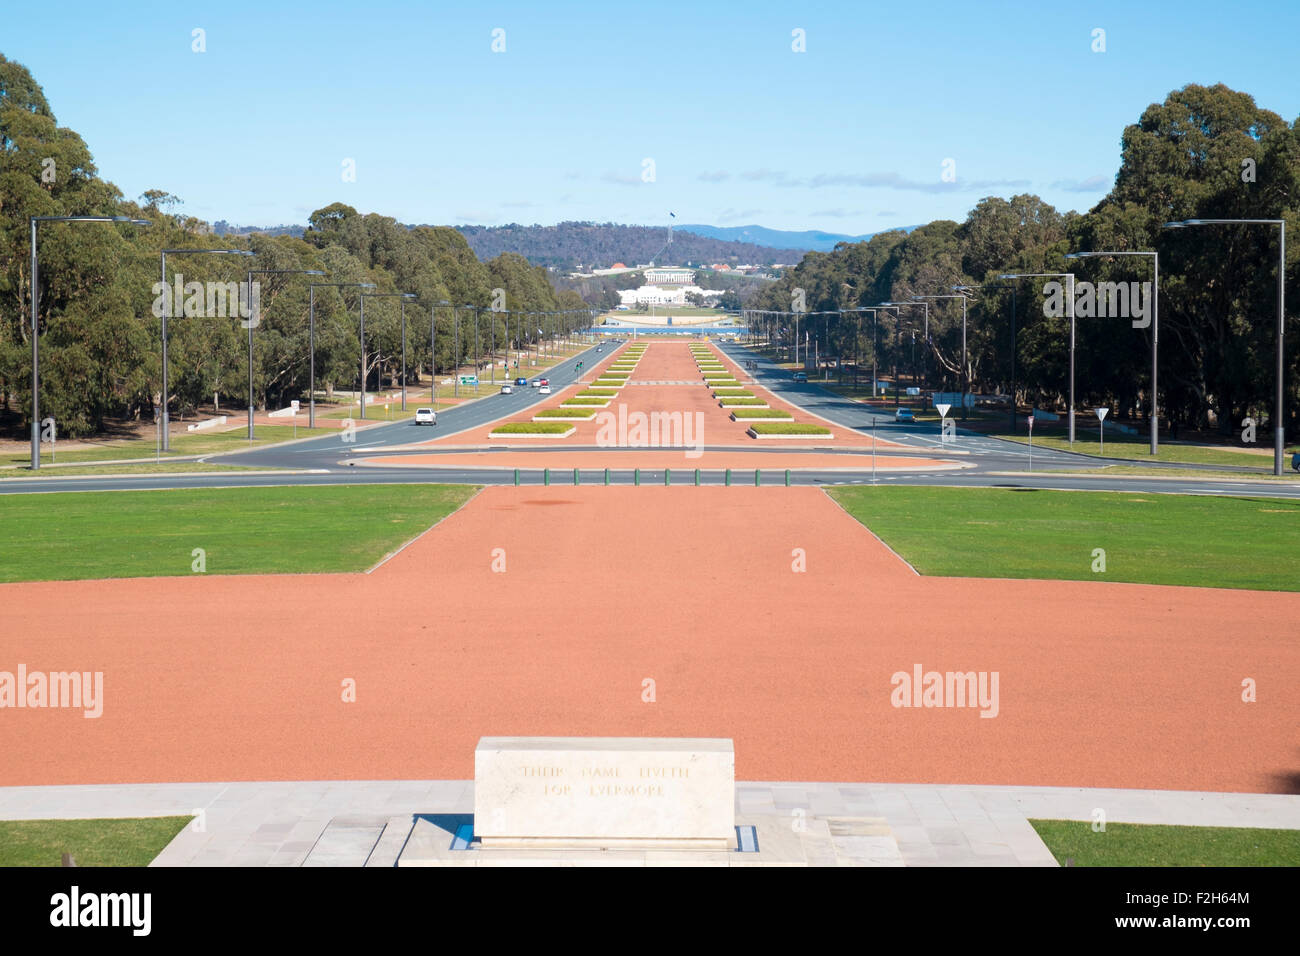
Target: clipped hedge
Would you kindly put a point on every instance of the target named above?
(739, 413)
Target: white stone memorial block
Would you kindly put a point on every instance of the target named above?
(617, 792)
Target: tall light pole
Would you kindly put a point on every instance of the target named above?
(965, 378)
(433, 352)
(167, 302)
(35, 329)
(1155, 329)
(254, 320)
(926, 306)
(311, 338)
(378, 386)
(1069, 294)
(1279, 429)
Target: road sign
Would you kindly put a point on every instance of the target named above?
(943, 409)
(1101, 413)
(1031, 422)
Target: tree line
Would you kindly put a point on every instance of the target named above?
(1205, 152)
(100, 339)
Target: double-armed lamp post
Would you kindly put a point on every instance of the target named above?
(311, 338)
(1069, 295)
(1155, 328)
(379, 385)
(254, 317)
(167, 303)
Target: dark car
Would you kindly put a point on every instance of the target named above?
(801, 376)
(522, 381)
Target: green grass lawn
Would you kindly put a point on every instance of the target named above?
(1132, 844)
(146, 467)
(197, 443)
(61, 537)
(127, 842)
(1195, 540)
(1138, 448)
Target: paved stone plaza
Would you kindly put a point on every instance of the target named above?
(363, 823)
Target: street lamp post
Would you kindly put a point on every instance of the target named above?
(1155, 329)
(253, 320)
(379, 385)
(433, 352)
(1069, 294)
(35, 329)
(1279, 430)
(926, 306)
(311, 338)
(965, 377)
(167, 301)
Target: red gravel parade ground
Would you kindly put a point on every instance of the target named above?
(695, 589)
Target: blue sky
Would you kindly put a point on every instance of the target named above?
(849, 136)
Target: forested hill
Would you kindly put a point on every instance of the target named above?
(587, 245)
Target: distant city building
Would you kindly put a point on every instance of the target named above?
(661, 295)
(669, 275)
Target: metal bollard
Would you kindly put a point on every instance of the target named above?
(668, 477)
(728, 478)
(787, 477)
(697, 477)
(546, 476)
(607, 476)
(757, 480)
(516, 477)
(577, 479)
(636, 477)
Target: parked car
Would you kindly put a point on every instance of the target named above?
(507, 389)
(521, 381)
(544, 390)
(904, 415)
(801, 376)
(426, 416)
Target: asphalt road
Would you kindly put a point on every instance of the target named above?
(321, 461)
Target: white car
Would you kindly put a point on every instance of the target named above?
(507, 390)
(544, 390)
(426, 416)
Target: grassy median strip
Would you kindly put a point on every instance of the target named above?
(196, 443)
(585, 400)
(1136, 844)
(1192, 540)
(795, 429)
(562, 413)
(115, 842)
(108, 534)
(532, 428)
(760, 413)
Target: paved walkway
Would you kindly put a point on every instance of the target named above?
(343, 823)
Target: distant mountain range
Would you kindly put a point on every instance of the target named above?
(810, 239)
